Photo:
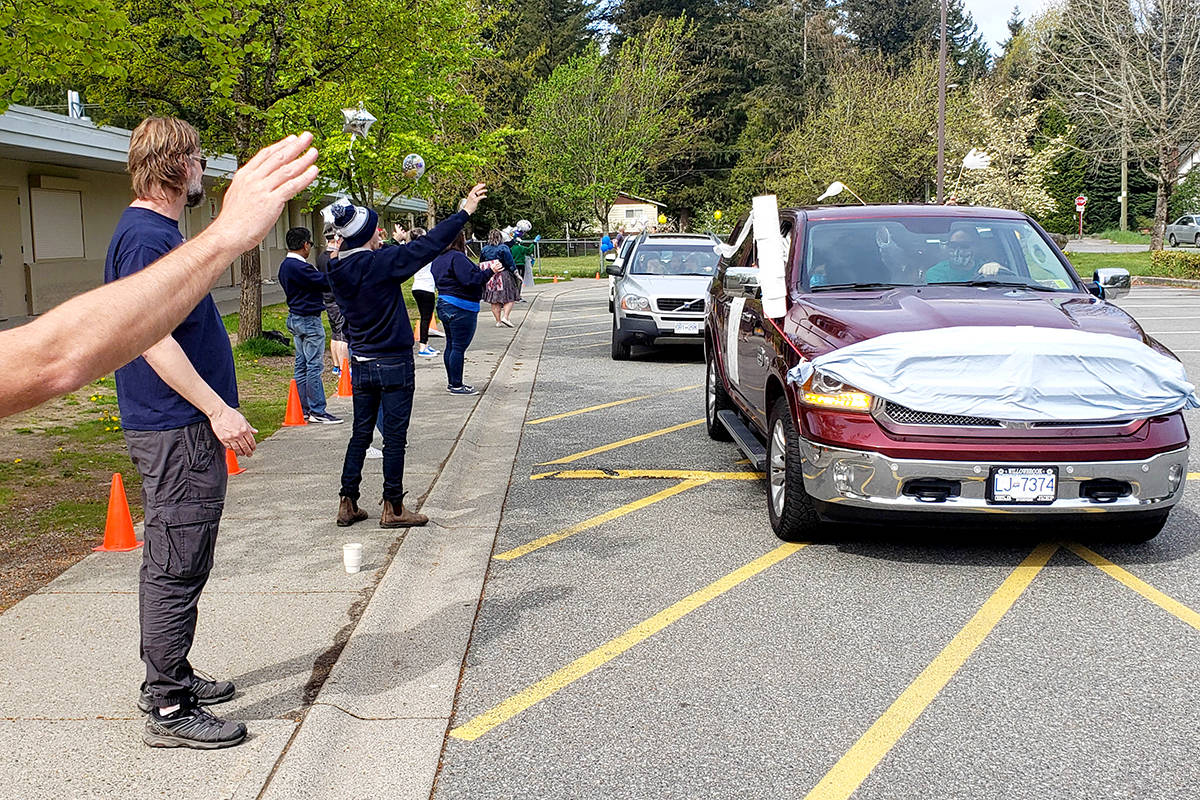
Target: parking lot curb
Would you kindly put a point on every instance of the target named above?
(1183, 283)
(378, 725)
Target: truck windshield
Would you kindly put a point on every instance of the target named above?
(670, 259)
(918, 251)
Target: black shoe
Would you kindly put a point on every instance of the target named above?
(323, 418)
(192, 727)
(206, 692)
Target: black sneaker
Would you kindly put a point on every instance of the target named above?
(206, 692)
(466, 388)
(324, 418)
(192, 727)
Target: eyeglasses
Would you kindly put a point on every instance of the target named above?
(203, 162)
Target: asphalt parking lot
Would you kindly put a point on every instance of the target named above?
(644, 634)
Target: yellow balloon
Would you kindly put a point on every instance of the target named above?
(717, 214)
(662, 219)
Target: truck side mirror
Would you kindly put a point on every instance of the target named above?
(1114, 281)
(614, 270)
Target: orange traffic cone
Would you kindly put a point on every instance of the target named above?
(556, 279)
(118, 528)
(345, 387)
(294, 415)
(597, 274)
(231, 465)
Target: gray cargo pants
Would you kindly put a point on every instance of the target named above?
(183, 489)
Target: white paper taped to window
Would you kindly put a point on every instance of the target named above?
(771, 255)
(1017, 373)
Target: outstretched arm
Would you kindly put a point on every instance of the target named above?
(98, 331)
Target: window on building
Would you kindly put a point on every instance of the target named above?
(57, 223)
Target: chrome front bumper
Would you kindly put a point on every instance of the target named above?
(869, 480)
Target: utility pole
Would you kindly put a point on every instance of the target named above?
(1124, 178)
(941, 155)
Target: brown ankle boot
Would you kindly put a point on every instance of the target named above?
(390, 518)
(349, 513)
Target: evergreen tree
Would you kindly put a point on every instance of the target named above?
(1015, 25)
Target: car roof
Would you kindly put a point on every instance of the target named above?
(678, 238)
(847, 211)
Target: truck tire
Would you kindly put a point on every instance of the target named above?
(715, 400)
(793, 516)
(620, 345)
(1145, 528)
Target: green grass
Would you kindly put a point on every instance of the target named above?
(260, 346)
(574, 266)
(1124, 237)
(1087, 263)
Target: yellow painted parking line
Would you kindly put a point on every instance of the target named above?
(610, 405)
(586, 346)
(575, 335)
(670, 474)
(1194, 476)
(599, 519)
(1168, 604)
(631, 440)
(852, 769)
(560, 679)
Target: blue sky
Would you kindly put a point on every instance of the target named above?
(991, 16)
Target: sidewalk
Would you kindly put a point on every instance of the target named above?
(279, 608)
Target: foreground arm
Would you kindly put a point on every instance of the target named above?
(172, 365)
(96, 332)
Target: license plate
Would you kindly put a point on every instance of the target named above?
(687, 327)
(1027, 485)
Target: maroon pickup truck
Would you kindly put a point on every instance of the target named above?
(834, 453)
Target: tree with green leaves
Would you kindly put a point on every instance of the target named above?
(45, 41)
(600, 122)
(873, 133)
(242, 70)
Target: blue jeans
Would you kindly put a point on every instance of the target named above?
(459, 326)
(309, 336)
(383, 391)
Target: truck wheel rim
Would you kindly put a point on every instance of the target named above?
(778, 467)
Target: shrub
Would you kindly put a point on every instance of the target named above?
(259, 347)
(1175, 264)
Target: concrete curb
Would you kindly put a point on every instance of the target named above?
(378, 724)
(1182, 283)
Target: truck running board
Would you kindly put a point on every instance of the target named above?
(744, 438)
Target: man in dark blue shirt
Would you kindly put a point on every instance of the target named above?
(179, 411)
(367, 280)
(304, 287)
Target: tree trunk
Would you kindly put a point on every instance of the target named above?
(1167, 172)
(250, 321)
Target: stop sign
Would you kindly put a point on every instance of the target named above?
(1080, 202)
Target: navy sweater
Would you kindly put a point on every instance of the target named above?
(367, 287)
(501, 253)
(458, 276)
(303, 284)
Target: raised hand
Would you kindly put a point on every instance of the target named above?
(474, 197)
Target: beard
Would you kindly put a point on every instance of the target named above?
(195, 196)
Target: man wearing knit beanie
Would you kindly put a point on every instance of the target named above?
(366, 279)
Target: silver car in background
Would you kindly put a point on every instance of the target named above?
(1185, 230)
(659, 290)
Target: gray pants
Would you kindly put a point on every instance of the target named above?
(183, 489)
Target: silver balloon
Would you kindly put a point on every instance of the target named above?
(413, 166)
(358, 121)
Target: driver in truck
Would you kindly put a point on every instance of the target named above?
(962, 261)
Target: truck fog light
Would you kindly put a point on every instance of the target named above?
(843, 476)
(1175, 476)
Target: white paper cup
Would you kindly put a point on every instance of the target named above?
(352, 557)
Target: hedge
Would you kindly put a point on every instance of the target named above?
(1175, 264)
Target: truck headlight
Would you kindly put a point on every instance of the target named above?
(633, 302)
(822, 391)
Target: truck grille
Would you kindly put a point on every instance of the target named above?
(675, 303)
(910, 416)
